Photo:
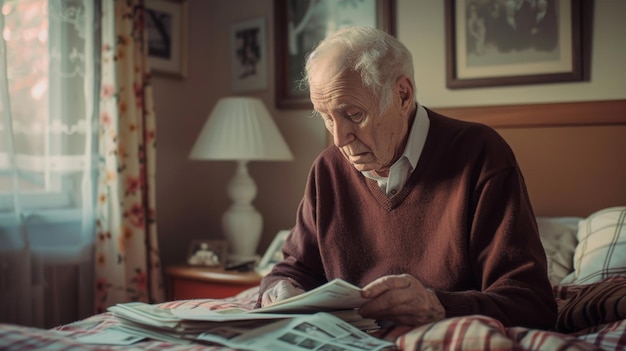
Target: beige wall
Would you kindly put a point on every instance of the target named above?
(191, 194)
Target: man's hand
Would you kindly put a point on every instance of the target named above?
(282, 290)
(401, 299)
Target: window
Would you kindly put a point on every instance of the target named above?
(49, 79)
(47, 103)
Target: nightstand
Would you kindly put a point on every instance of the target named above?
(192, 282)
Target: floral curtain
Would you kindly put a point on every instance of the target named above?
(127, 253)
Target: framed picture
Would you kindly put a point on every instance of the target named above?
(249, 55)
(273, 254)
(301, 24)
(512, 42)
(208, 253)
(166, 23)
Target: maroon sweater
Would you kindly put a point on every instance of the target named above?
(463, 225)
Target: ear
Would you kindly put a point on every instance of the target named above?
(406, 93)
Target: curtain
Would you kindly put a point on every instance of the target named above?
(77, 152)
(127, 254)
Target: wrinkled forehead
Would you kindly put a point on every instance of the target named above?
(326, 66)
(330, 84)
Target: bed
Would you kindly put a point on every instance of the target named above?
(586, 265)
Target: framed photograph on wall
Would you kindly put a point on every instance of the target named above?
(208, 253)
(512, 42)
(166, 24)
(273, 254)
(301, 24)
(249, 55)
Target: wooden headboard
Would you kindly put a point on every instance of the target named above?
(572, 155)
(591, 113)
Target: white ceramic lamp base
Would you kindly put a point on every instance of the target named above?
(242, 223)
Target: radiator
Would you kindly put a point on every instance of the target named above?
(40, 293)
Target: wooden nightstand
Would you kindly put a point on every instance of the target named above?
(190, 282)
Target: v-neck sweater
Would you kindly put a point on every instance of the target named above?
(462, 225)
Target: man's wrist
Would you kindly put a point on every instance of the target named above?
(437, 311)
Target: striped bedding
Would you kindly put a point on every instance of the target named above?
(591, 317)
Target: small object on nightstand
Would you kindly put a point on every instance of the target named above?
(207, 253)
(244, 266)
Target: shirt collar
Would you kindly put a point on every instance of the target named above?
(417, 136)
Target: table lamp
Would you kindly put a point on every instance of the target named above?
(241, 129)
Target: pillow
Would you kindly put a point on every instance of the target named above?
(558, 237)
(601, 249)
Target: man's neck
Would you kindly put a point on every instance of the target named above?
(400, 150)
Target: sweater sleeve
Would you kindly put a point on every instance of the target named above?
(507, 257)
(302, 264)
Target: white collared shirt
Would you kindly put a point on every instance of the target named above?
(404, 166)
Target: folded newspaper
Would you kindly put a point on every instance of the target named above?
(335, 295)
(319, 331)
(332, 306)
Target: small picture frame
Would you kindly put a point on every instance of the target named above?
(207, 253)
(166, 24)
(248, 55)
(273, 254)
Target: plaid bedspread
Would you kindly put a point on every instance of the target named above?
(595, 312)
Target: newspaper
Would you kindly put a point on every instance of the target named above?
(332, 307)
(333, 296)
(320, 331)
(337, 294)
(337, 297)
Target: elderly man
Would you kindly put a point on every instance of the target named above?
(430, 215)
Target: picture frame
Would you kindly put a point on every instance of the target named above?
(208, 253)
(273, 254)
(249, 55)
(166, 25)
(484, 50)
(294, 38)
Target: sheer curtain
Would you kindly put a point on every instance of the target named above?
(76, 161)
(48, 87)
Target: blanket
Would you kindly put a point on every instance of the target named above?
(591, 317)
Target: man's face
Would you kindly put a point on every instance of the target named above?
(370, 140)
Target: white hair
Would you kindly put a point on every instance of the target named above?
(379, 58)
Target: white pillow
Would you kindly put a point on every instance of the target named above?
(558, 237)
(601, 249)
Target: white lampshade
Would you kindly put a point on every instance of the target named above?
(241, 129)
